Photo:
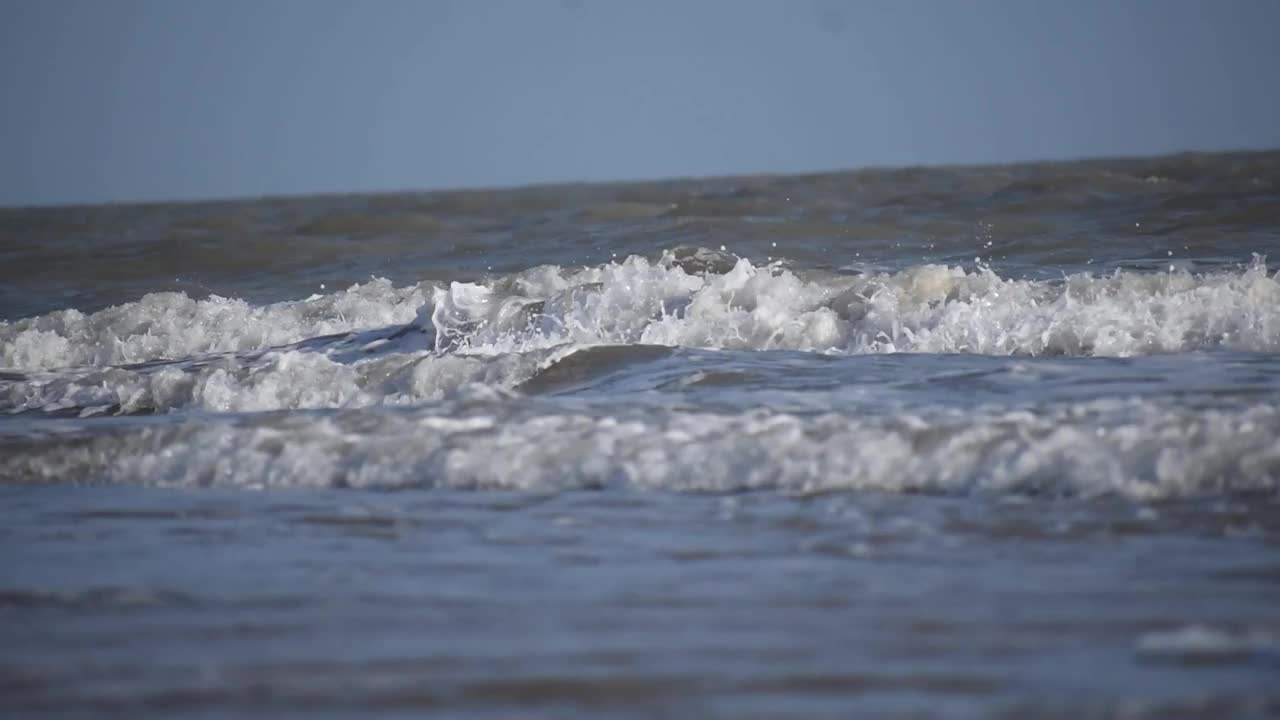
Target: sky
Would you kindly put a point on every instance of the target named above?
(122, 100)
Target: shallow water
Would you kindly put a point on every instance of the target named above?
(957, 442)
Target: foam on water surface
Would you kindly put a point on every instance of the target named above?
(929, 308)
(175, 326)
(1133, 448)
(1203, 643)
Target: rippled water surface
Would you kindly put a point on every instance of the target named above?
(957, 442)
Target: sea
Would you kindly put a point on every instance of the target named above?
(928, 442)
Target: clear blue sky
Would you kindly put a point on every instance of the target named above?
(112, 100)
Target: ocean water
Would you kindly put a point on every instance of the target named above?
(932, 442)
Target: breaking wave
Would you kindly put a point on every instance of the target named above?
(703, 299)
(1133, 448)
(377, 344)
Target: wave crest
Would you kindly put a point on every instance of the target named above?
(929, 308)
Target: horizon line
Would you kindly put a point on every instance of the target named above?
(552, 184)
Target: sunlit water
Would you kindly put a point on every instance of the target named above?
(964, 442)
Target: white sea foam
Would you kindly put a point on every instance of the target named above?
(275, 380)
(501, 333)
(925, 309)
(1207, 643)
(929, 308)
(1136, 448)
(175, 326)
